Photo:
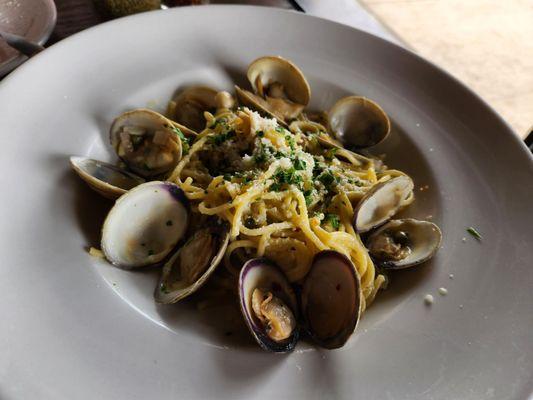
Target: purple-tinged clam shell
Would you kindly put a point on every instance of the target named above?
(331, 299)
(107, 179)
(264, 274)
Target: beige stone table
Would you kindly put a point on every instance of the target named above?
(487, 44)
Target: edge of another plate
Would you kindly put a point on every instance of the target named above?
(48, 27)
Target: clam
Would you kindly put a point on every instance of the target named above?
(331, 299)
(277, 77)
(107, 179)
(382, 202)
(403, 243)
(269, 305)
(145, 225)
(359, 122)
(281, 89)
(188, 106)
(147, 142)
(190, 267)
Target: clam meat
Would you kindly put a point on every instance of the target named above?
(403, 243)
(190, 267)
(269, 305)
(188, 107)
(147, 142)
(280, 88)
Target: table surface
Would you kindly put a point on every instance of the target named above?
(487, 44)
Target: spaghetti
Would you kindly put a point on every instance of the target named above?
(286, 193)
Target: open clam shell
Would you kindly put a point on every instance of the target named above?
(381, 203)
(258, 278)
(280, 89)
(359, 122)
(331, 299)
(403, 243)
(145, 225)
(147, 141)
(191, 266)
(273, 73)
(107, 179)
(188, 107)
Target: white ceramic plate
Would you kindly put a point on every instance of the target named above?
(33, 19)
(75, 327)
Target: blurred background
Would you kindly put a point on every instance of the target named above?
(487, 44)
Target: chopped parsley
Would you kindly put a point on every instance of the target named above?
(288, 176)
(333, 220)
(308, 195)
(285, 177)
(299, 164)
(327, 178)
(150, 252)
(260, 133)
(290, 141)
(221, 121)
(184, 141)
(330, 153)
(263, 153)
(474, 233)
(260, 157)
(355, 182)
(220, 138)
(280, 154)
(318, 168)
(169, 223)
(275, 187)
(245, 177)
